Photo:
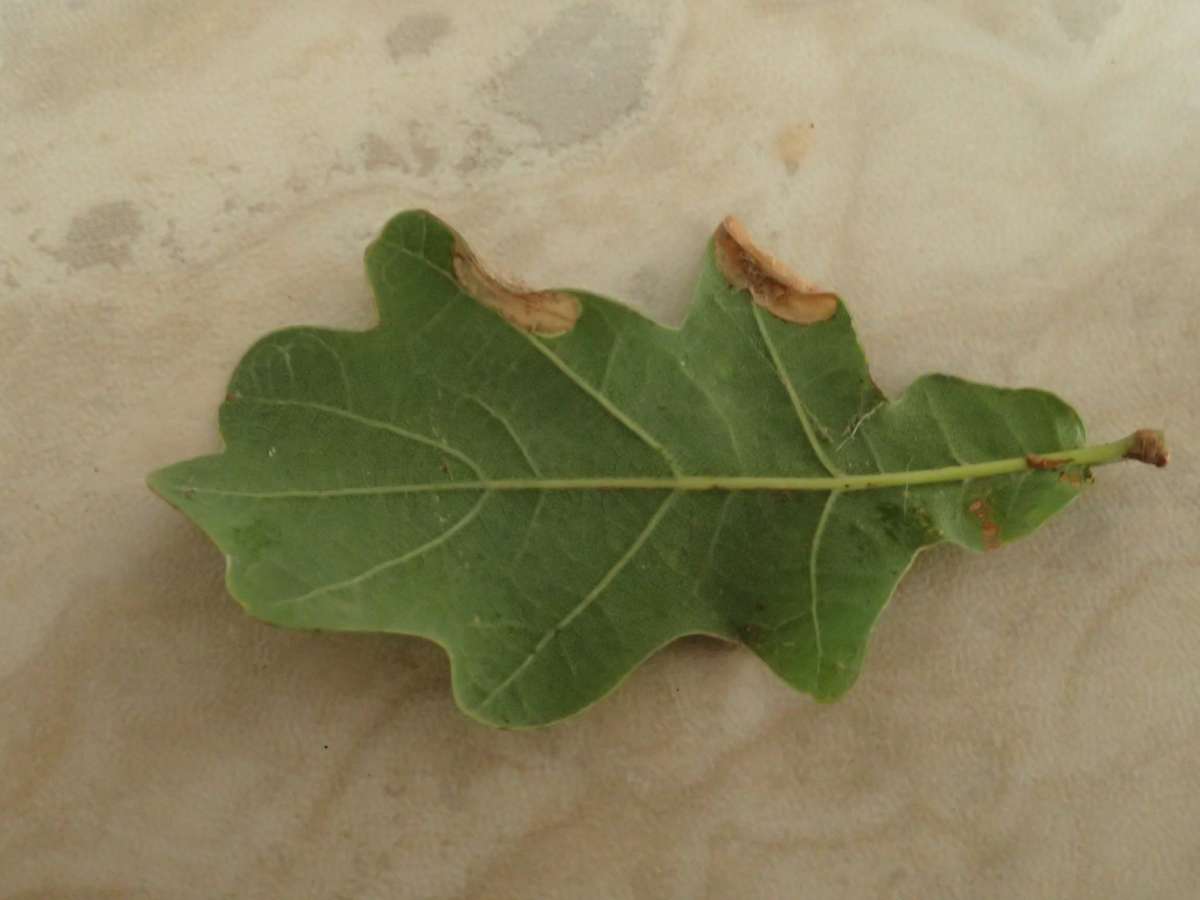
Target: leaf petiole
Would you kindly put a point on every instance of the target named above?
(1145, 446)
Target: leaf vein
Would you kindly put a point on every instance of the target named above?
(431, 544)
(336, 358)
(607, 405)
(801, 412)
(586, 602)
(369, 422)
(813, 555)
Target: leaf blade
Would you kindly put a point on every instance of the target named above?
(551, 486)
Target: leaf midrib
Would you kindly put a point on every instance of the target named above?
(1093, 455)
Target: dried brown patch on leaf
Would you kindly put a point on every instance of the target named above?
(1034, 461)
(1149, 447)
(546, 313)
(774, 286)
(988, 529)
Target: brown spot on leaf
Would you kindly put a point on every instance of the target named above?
(774, 286)
(546, 313)
(1149, 447)
(988, 529)
(1034, 461)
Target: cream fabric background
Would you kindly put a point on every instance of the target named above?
(1007, 191)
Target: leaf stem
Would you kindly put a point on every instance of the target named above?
(1135, 446)
(1144, 445)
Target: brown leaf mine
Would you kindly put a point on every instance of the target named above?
(774, 286)
(545, 313)
(989, 531)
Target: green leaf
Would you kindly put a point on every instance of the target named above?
(552, 487)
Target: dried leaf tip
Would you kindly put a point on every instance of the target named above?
(545, 313)
(1148, 446)
(774, 286)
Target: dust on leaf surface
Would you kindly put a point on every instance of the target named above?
(552, 487)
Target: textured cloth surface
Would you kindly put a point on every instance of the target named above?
(1007, 195)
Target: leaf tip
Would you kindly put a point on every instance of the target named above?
(155, 481)
(771, 283)
(165, 483)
